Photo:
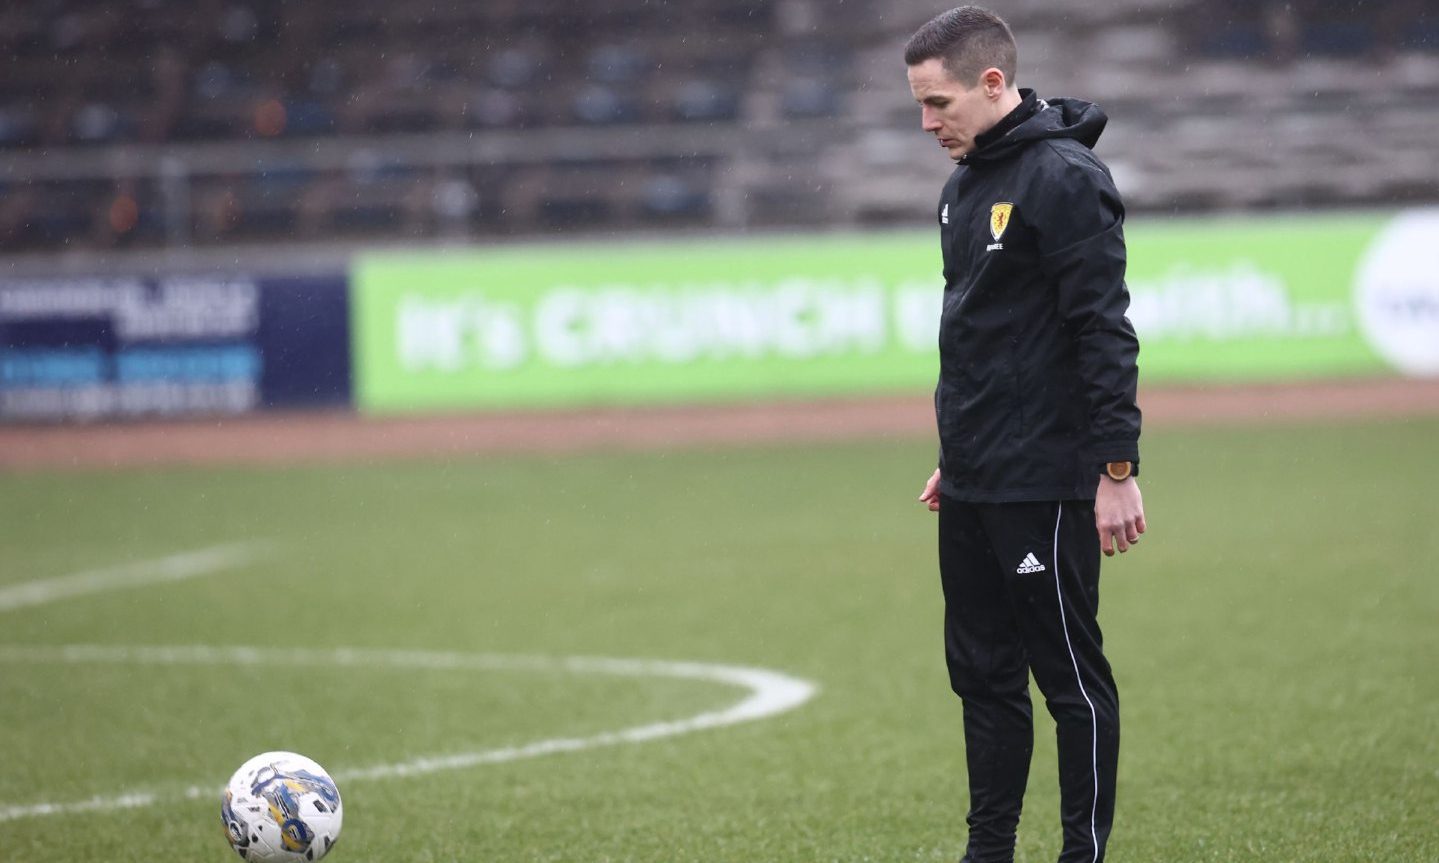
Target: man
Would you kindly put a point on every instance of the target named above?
(1038, 426)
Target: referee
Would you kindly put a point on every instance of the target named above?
(1038, 426)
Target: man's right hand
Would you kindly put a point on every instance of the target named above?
(930, 495)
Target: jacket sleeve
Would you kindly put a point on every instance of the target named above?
(1081, 247)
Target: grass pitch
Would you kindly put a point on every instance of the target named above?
(1274, 638)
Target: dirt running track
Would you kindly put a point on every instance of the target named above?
(304, 438)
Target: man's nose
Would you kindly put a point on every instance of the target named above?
(929, 121)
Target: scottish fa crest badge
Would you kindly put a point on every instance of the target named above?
(999, 219)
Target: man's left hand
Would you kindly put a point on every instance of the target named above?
(1118, 514)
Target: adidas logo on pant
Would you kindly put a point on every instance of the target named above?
(1030, 564)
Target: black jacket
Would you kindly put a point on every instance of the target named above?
(1038, 364)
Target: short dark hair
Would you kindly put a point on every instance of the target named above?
(967, 40)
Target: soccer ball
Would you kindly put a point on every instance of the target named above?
(280, 806)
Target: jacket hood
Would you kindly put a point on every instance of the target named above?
(1049, 119)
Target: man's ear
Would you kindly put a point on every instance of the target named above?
(992, 80)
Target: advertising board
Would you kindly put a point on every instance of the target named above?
(1215, 300)
(176, 345)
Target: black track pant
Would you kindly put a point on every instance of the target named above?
(1021, 591)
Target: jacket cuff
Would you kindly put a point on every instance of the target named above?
(1102, 454)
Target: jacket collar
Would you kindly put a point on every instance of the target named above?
(1028, 105)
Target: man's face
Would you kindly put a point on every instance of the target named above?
(954, 114)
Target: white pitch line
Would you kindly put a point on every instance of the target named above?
(769, 693)
(173, 567)
(94, 804)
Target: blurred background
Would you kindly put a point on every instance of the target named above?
(151, 124)
(247, 141)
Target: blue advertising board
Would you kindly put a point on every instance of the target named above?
(132, 346)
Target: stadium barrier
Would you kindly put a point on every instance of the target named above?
(1255, 299)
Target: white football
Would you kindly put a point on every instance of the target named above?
(280, 806)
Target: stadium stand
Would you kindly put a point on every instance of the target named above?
(143, 123)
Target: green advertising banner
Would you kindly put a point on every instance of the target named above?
(1248, 299)
(628, 324)
(1251, 299)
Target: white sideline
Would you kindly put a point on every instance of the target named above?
(173, 567)
(769, 693)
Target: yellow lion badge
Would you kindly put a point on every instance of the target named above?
(999, 219)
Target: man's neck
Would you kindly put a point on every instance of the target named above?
(1008, 101)
(1007, 121)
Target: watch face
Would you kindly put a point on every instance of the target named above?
(1119, 470)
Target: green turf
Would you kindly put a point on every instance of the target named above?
(1274, 638)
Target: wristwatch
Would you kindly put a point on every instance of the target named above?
(1119, 471)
